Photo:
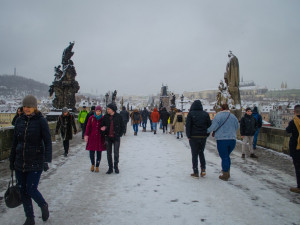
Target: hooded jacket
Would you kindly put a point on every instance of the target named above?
(258, 117)
(32, 145)
(155, 116)
(248, 125)
(197, 121)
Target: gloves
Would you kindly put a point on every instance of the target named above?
(46, 167)
(12, 166)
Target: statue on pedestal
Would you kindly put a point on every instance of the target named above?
(64, 85)
(230, 93)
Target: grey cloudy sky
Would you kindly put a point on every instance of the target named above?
(134, 46)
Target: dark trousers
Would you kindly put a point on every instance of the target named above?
(296, 161)
(92, 157)
(125, 127)
(197, 149)
(82, 130)
(165, 127)
(116, 143)
(144, 124)
(66, 144)
(28, 183)
(225, 147)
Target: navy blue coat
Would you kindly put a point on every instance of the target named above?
(294, 138)
(32, 145)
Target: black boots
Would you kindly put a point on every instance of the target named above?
(29, 221)
(45, 212)
(109, 171)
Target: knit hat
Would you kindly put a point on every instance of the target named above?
(65, 109)
(112, 107)
(98, 107)
(29, 101)
(93, 107)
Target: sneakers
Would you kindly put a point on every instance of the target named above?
(295, 190)
(92, 168)
(29, 221)
(253, 156)
(195, 175)
(203, 173)
(45, 212)
(97, 170)
(224, 176)
(243, 156)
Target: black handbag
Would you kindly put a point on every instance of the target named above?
(12, 195)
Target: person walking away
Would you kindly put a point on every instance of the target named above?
(30, 154)
(113, 127)
(125, 116)
(81, 119)
(178, 123)
(92, 112)
(18, 114)
(294, 145)
(258, 118)
(151, 124)
(155, 119)
(95, 141)
(248, 128)
(136, 118)
(64, 124)
(224, 128)
(145, 115)
(197, 123)
(164, 116)
(172, 115)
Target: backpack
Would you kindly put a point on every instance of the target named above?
(136, 116)
(179, 118)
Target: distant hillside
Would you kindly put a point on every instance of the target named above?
(17, 87)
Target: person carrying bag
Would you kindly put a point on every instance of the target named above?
(12, 195)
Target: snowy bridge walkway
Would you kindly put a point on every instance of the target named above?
(154, 187)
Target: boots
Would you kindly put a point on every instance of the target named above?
(29, 221)
(295, 189)
(195, 174)
(109, 171)
(92, 168)
(203, 173)
(97, 169)
(155, 132)
(224, 176)
(181, 135)
(243, 156)
(253, 156)
(135, 133)
(45, 212)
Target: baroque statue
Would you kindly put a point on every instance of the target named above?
(230, 93)
(64, 85)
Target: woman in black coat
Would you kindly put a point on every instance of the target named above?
(30, 153)
(18, 114)
(65, 123)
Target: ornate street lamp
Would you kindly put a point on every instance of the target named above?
(181, 98)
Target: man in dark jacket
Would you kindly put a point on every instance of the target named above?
(247, 129)
(145, 115)
(164, 116)
(88, 116)
(64, 124)
(112, 126)
(258, 118)
(197, 122)
(294, 145)
(125, 116)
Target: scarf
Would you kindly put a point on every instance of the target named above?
(97, 117)
(297, 123)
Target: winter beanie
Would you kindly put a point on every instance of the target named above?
(65, 109)
(93, 107)
(98, 107)
(112, 107)
(29, 101)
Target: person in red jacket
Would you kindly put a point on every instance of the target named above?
(155, 119)
(94, 138)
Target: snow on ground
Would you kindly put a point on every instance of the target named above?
(154, 187)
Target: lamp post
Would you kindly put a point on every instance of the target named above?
(106, 100)
(181, 98)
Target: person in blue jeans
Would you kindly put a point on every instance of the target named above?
(225, 126)
(30, 153)
(136, 119)
(258, 118)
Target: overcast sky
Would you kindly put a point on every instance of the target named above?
(135, 46)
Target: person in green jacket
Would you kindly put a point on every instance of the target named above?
(81, 119)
